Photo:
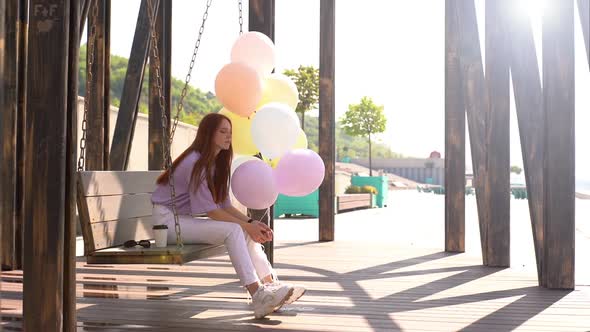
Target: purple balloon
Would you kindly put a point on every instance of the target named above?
(299, 172)
(253, 184)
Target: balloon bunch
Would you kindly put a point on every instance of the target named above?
(261, 106)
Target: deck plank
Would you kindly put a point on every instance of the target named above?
(353, 286)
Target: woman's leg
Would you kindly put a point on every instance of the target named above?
(195, 230)
(263, 268)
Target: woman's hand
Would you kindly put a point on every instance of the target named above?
(259, 232)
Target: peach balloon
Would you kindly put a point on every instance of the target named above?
(238, 88)
(255, 49)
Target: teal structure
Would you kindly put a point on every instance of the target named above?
(308, 205)
(379, 182)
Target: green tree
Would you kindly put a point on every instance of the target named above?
(515, 169)
(363, 120)
(307, 80)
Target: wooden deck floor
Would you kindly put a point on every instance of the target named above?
(353, 286)
(377, 276)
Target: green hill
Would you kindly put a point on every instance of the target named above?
(198, 103)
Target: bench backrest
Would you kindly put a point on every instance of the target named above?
(115, 206)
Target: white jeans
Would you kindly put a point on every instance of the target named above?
(246, 256)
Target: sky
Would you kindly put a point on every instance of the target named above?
(391, 51)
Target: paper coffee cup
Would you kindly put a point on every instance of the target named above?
(160, 235)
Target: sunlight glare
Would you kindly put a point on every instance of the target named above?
(533, 8)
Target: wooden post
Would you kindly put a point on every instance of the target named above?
(156, 132)
(46, 171)
(528, 97)
(2, 105)
(327, 120)
(125, 126)
(584, 12)
(9, 57)
(559, 162)
(97, 139)
(23, 48)
(69, 278)
(261, 18)
(477, 106)
(454, 137)
(498, 133)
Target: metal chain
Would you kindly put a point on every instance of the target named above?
(241, 19)
(90, 63)
(162, 102)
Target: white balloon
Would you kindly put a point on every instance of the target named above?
(238, 160)
(274, 130)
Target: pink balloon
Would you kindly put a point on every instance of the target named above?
(253, 185)
(299, 172)
(255, 49)
(238, 88)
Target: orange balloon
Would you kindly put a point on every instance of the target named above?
(238, 88)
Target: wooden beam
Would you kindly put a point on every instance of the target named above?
(9, 57)
(156, 132)
(3, 194)
(45, 169)
(528, 98)
(97, 139)
(23, 42)
(477, 106)
(69, 278)
(107, 85)
(454, 136)
(559, 162)
(125, 126)
(584, 12)
(327, 120)
(23, 49)
(497, 153)
(261, 18)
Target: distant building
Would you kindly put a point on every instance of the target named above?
(434, 155)
(422, 170)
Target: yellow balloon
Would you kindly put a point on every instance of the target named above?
(301, 140)
(279, 88)
(242, 142)
(272, 162)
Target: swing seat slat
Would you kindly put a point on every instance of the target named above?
(115, 206)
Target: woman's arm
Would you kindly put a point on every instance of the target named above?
(236, 213)
(258, 231)
(225, 215)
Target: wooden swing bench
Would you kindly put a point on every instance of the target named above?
(114, 207)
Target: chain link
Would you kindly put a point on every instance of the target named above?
(162, 103)
(89, 76)
(241, 19)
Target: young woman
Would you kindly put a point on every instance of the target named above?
(201, 180)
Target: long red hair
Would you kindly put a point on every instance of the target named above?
(216, 169)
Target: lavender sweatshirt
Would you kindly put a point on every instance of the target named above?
(187, 201)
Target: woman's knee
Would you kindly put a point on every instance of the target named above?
(234, 230)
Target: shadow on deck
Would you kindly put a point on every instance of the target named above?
(353, 286)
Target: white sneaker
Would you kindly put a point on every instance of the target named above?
(269, 298)
(298, 291)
